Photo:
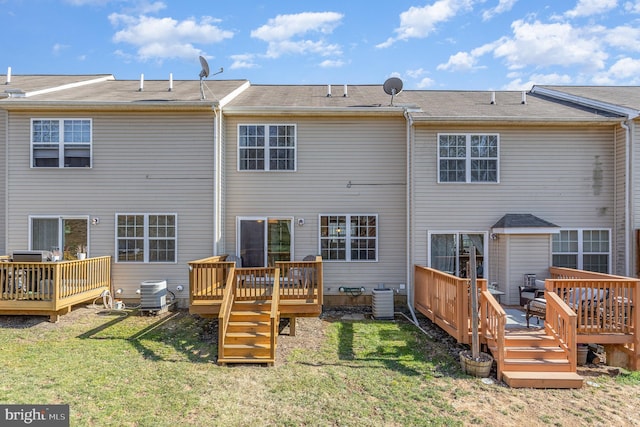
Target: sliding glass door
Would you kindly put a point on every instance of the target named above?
(262, 241)
(61, 236)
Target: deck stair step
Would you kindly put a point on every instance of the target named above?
(539, 365)
(534, 359)
(535, 379)
(248, 334)
(535, 352)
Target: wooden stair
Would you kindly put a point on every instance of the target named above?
(534, 360)
(248, 334)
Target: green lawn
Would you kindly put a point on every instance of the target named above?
(160, 371)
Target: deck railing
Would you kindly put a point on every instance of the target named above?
(493, 322)
(444, 299)
(606, 307)
(49, 287)
(274, 317)
(224, 315)
(560, 322)
(299, 281)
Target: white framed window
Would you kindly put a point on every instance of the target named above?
(63, 236)
(149, 238)
(583, 249)
(267, 147)
(450, 251)
(468, 157)
(61, 143)
(349, 237)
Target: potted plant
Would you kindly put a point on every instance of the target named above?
(475, 362)
(82, 252)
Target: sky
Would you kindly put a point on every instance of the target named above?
(429, 44)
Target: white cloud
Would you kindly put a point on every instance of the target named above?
(58, 47)
(87, 2)
(591, 7)
(139, 6)
(538, 79)
(467, 61)
(243, 61)
(419, 22)
(633, 7)
(461, 61)
(161, 38)
(329, 63)
(542, 45)
(626, 68)
(285, 34)
(416, 73)
(425, 83)
(623, 37)
(503, 6)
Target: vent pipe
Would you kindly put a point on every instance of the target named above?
(328, 91)
(8, 76)
(141, 83)
(170, 82)
(493, 98)
(524, 97)
(345, 94)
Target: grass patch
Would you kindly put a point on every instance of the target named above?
(136, 371)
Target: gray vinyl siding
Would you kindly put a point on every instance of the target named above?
(619, 267)
(564, 175)
(526, 254)
(330, 153)
(4, 117)
(142, 163)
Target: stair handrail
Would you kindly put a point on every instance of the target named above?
(493, 325)
(275, 312)
(561, 323)
(225, 310)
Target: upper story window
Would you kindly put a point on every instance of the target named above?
(582, 249)
(468, 157)
(61, 143)
(146, 237)
(267, 147)
(349, 237)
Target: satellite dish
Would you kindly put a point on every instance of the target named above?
(392, 86)
(204, 73)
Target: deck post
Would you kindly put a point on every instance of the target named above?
(635, 321)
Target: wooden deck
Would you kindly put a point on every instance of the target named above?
(249, 303)
(51, 288)
(582, 307)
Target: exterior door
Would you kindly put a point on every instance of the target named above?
(263, 241)
(64, 237)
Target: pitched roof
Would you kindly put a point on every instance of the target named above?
(105, 89)
(621, 99)
(240, 97)
(523, 224)
(424, 105)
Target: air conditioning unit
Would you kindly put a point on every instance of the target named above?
(153, 295)
(382, 304)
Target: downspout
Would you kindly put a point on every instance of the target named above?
(6, 180)
(627, 196)
(409, 207)
(217, 180)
